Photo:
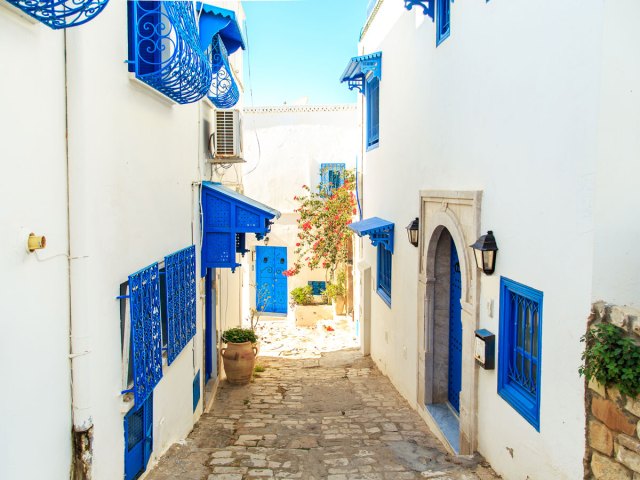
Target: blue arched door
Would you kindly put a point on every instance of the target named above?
(455, 331)
(271, 284)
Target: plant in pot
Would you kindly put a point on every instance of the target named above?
(302, 295)
(336, 292)
(239, 357)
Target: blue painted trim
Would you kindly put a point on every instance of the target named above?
(196, 391)
(372, 94)
(331, 177)
(216, 20)
(384, 270)
(224, 91)
(524, 402)
(138, 438)
(378, 230)
(443, 21)
(59, 14)
(362, 68)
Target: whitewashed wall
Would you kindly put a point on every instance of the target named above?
(34, 288)
(132, 160)
(284, 147)
(509, 105)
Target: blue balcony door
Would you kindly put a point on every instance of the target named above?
(138, 439)
(455, 331)
(271, 284)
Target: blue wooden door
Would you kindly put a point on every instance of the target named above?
(271, 284)
(138, 439)
(455, 331)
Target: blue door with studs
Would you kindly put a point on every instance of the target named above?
(138, 439)
(271, 284)
(455, 331)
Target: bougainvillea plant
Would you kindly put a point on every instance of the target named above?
(324, 239)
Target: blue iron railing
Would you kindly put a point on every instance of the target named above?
(59, 14)
(164, 49)
(180, 269)
(146, 331)
(224, 91)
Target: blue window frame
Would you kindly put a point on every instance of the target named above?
(520, 347)
(317, 287)
(443, 21)
(331, 177)
(372, 93)
(383, 282)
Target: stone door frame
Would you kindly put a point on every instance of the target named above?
(458, 212)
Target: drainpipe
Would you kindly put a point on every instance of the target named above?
(78, 302)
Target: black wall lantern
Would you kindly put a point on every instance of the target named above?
(412, 230)
(486, 250)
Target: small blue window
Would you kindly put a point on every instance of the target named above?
(331, 177)
(383, 286)
(317, 287)
(520, 347)
(372, 92)
(443, 21)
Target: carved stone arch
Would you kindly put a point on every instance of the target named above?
(458, 214)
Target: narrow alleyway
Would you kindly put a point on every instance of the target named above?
(335, 417)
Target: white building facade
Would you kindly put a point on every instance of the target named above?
(111, 330)
(497, 116)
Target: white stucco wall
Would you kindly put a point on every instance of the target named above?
(34, 345)
(284, 147)
(504, 107)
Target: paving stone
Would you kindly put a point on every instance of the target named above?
(348, 423)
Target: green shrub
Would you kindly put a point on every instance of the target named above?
(239, 335)
(611, 358)
(338, 289)
(302, 295)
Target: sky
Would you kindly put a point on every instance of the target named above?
(299, 48)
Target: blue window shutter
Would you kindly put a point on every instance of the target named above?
(373, 112)
(146, 331)
(138, 439)
(383, 281)
(180, 300)
(520, 348)
(331, 177)
(443, 21)
(196, 391)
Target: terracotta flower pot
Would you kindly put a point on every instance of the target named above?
(338, 303)
(239, 360)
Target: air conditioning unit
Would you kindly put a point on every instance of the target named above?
(225, 143)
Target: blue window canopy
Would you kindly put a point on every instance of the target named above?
(226, 216)
(164, 49)
(378, 230)
(428, 6)
(59, 14)
(361, 69)
(219, 21)
(224, 92)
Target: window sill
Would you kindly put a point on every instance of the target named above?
(373, 146)
(525, 406)
(383, 295)
(143, 87)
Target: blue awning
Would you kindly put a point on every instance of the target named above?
(361, 68)
(380, 231)
(216, 20)
(227, 216)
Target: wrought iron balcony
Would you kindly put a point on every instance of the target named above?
(59, 14)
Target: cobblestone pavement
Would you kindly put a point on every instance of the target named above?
(335, 418)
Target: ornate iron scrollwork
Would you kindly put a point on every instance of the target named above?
(224, 91)
(167, 53)
(59, 14)
(181, 300)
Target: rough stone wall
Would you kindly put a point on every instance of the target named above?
(612, 420)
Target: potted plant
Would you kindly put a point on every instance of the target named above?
(336, 292)
(302, 295)
(308, 313)
(239, 357)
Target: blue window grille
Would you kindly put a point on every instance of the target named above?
(138, 439)
(196, 391)
(58, 14)
(164, 49)
(520, 348)
(443, 21)
(331, 177)
(384, 274)
(224, 92)
(373, 112)
(317, 287)
(146, 342)
(180, 270)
